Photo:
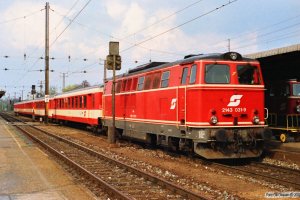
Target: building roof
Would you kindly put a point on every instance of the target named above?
(274, 52)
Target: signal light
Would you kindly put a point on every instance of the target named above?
(110, 62)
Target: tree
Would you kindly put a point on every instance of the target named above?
(85, 83)
(53, 90)
(71, 87)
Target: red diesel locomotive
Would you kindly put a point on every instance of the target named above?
(211, 104)
(283, 102)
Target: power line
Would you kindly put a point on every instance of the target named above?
(171, 29)
(66, 14)
(70, 22)
(239, 36)
(163, 19)
(22, 17)
(279, 37)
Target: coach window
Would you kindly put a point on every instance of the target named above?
(84, 101)
(140, 83)
(165, 79)
(72, 102)
(217, 73)
(184, 75)
(248, 75)
(80, 102)
(76, 102)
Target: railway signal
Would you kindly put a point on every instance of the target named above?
(113, 62)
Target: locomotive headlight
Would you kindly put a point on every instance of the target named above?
(298, 109)
(255, 120)
(213, 120)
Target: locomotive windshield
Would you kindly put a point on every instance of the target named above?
(217, 73)
(248, 74)
(296, 89)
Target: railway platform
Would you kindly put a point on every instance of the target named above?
(28, 173)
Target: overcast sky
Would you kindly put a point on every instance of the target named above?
(164, 30)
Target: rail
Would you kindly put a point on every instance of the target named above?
(157, 187)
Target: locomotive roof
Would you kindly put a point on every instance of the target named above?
(187, 59)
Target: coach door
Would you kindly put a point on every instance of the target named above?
(55, 108)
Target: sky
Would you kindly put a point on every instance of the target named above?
(147, 30)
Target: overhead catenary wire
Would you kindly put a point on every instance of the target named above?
(70, 22)
(241, 37)
(161, 20)
(142, 29)
(182, 24)
(21, 17)
(66, 14)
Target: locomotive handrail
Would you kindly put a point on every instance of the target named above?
(267, 112)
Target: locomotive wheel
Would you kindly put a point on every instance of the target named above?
(283, 137)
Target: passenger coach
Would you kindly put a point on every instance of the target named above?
(81, 106)
(210, 104)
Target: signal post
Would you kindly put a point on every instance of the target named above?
(113, 62)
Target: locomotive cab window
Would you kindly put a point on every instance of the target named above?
(140, 85)
(184, 75)
(118, 88)
(217, 73)
(148, 82)
(165, 79)
(156, 80)
(193, 74)
(248, 74)
(296, 89)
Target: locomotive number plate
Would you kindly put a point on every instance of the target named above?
(238, 109)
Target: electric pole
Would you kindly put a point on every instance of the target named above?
(228, 45)
(47, 63)
(41, 88)
(64, 75)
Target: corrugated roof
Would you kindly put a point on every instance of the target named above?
(274, 52)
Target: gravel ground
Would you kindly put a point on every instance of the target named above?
(190, 172)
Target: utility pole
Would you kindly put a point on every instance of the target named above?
(228, 45)
(47, 62)
(41, 88)
(64, 75)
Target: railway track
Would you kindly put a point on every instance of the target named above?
(287, 177)
(118, 179)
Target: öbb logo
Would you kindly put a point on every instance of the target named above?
(235, 100)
